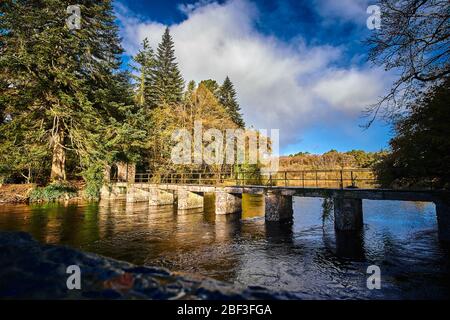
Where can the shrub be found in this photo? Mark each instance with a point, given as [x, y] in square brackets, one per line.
[93, 176]
[53, 192]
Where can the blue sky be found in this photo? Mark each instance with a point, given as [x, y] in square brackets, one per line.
[298, 66]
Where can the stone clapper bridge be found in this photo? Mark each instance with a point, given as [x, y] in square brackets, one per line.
[348, 209]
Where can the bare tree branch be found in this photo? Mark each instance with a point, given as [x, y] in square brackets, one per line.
[414, 42]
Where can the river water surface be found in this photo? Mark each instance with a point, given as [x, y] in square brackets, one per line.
[307, 258]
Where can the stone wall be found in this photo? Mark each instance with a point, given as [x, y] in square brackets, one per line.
[126, 172]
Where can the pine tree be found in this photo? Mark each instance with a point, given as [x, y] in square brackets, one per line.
[168, 82]
[145, 60]
[65, 83]
[191, 86]
[189, 91]
[212, 86]
[227, 97]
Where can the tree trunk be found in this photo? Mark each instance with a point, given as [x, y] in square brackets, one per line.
[59, 158]
[29, 174]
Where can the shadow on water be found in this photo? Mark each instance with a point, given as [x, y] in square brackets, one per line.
[346, 244]
[350, 245]
[279, 232]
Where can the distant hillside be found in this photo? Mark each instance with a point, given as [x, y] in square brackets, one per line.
[330, 160]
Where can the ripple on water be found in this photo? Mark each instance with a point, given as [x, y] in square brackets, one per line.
[306, 257]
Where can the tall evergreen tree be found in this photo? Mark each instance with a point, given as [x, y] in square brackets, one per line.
[227, 97]
[168, 82]
[145, 68]
[65, 83]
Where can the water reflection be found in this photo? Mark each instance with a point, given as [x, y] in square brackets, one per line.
[350, 245]
[306, 256]
[279, 232]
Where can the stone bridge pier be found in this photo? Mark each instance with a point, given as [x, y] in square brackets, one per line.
[159, 197]
[226, 203]
[137, 194]
[114, 191]
[443, 218]
[348, 214]
[278, 206]
[189, 199]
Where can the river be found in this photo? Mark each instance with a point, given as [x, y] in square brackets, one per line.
[307, 258]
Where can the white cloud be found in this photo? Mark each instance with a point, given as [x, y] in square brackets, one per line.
[280, 85]
[350, 90]
[350, 10]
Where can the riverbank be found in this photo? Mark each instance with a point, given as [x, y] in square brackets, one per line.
[26, 193]
[16, 193]
[30, 270]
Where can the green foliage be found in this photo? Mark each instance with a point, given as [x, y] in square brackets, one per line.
[365, 159]
[331, 159]
[202, 106]
[145, 67]
[212, 86]
[327, 209]
[249, 174]
[227, 97]
[420, 151]
[66, 106]
[94, 177]
[300, 153]
[22, 151]
[62, 89]
[53, 192]
[168, 83]
[191, 87]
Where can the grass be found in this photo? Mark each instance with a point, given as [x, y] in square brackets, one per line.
[53, 192]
